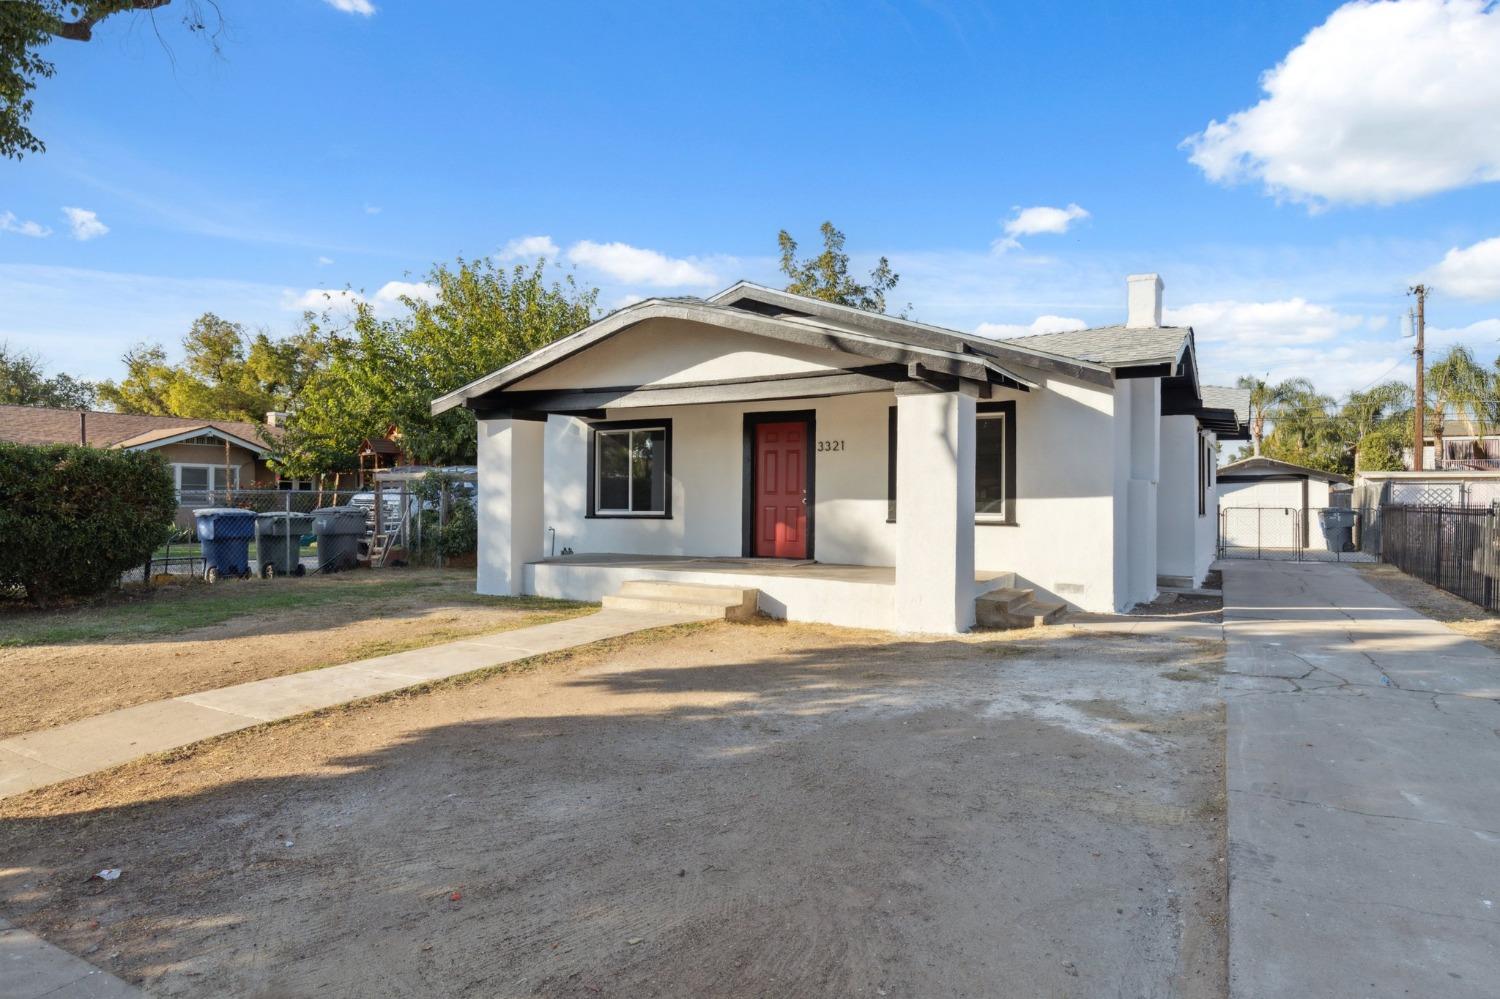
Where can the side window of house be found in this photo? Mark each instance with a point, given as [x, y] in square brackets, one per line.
[994, 468]
[994, 464]
[630, 469]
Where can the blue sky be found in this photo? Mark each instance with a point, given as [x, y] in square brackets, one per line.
[1013, 161]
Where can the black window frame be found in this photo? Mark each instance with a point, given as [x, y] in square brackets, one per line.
[1007, 409]
[604, 426]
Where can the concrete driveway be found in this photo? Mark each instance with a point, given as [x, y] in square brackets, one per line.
[1364, 792]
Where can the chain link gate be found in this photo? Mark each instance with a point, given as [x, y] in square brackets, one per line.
[1292, 534]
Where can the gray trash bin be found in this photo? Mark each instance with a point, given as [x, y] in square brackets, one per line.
[339, 530]
[1338, 528]
[278, 542]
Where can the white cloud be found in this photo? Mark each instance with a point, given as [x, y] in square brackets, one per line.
[1289, 321]
[318, 299]
[528, 248]
[361, 7]
[1038, 220]
[1471, 272]
[392, 292]
[85, 224]
[9, 223]
[372, 209]
[1381, 103]
[1041, 324]
[635, 265]
[324, 261]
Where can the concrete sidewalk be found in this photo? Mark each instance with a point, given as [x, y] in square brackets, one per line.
[93, 744]
[1364, 792]
[31, 968]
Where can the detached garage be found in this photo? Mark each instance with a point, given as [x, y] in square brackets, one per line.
[1269, 504]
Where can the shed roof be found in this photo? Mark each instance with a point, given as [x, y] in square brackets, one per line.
[1251, 467]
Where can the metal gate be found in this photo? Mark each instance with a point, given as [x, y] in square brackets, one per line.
[1292, 534]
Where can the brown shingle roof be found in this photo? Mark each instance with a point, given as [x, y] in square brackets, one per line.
[35, 425]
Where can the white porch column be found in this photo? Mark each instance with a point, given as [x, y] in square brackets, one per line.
[934, 510]
[510, 501]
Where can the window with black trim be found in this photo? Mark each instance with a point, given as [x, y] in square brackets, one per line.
[994, 463]
[630, 469]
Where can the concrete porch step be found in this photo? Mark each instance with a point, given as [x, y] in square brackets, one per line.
[727, 603]
[1015, 607]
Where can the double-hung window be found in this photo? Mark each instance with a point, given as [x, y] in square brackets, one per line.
[630, 469]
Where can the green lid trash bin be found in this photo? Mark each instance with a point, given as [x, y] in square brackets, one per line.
[339, 530]
[278, 542]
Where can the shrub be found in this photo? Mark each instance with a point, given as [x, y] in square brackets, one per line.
[460, 535]
[72, 519]
[1380, 450]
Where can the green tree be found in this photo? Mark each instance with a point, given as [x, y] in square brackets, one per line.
[1263, 398]
[28, 26]
[1305, 430]
[226, 374]
[1458, 388]
[826, 276]
[476, 318]
[24, 382]
[1381, 449]
[1381, 407]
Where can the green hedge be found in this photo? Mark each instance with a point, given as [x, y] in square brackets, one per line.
[72, 519]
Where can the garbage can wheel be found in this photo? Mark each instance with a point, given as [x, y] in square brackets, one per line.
[268, 571]
[301, 570]
[211, 574]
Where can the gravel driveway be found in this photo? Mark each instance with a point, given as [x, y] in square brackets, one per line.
[740, 810]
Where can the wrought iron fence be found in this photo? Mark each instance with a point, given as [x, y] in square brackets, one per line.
[1453, 548]
[1292, 534]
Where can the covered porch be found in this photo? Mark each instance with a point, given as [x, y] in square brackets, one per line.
[854, 596]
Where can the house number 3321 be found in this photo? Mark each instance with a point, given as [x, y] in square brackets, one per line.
[830, 445]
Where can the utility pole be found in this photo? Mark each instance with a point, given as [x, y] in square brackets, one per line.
[1421, 394]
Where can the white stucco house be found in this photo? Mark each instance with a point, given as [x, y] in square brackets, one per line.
[853, 468]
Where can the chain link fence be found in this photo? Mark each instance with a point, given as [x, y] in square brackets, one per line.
[415, 519]
[1292, 534]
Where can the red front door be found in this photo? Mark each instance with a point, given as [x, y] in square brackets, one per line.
[781, 490]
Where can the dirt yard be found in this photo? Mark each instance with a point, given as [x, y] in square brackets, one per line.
[1469, 620]
[729, 810]
[156, 647]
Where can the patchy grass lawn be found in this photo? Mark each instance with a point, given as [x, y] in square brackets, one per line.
[714, 810]
[59, 666]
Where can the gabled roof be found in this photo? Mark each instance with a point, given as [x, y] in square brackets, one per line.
[1247, 468]
[1113, 346]
[892, 341]
[173, 435]
[37, 425]
[1235, 400]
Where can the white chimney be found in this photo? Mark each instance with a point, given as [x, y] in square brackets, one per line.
[1143, 303]
[275, 419]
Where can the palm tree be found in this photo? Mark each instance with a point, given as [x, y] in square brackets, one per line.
[1457, 387]
[1263, 397]
[1369, 410]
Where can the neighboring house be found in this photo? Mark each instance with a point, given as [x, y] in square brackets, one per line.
[1466, 446]
[855, 468]
[206, 456]
[1274, 504]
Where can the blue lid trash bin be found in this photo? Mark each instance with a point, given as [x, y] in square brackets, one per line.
[339, 530]
[224, 535]
[278, 542]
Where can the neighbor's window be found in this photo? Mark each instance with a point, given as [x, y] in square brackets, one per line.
[631, 474]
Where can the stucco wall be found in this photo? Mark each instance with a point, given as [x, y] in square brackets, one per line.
[672, 351]
[250, 470]
[1186, 540]
[849, 513]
